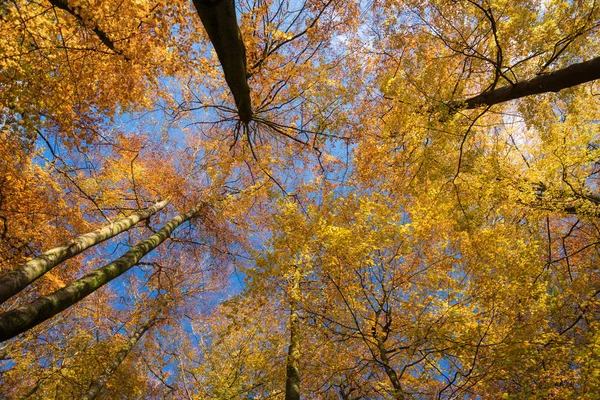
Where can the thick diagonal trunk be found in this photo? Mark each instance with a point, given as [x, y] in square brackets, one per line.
[14, 281]
[219, 20]
[26, 317]
[100, 382]
[556, 81]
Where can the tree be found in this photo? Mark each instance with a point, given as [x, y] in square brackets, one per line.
[99, 382]
[17, 279]
[220, 21]
[554, 81]
[400, 198]
[20, 319]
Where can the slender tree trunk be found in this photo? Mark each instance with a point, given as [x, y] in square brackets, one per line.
[99, 382]
[14, 281]
[292, 380]
[555, 81]
[26, 317]
[220, 21]
[389, 370]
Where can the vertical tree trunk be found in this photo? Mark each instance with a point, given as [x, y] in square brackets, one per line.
[389, 370]
[14, 281]
[26, 317]
[98, 383]
[292, 380]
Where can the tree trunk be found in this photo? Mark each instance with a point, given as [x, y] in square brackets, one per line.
[98, 384]
[389, 370]
[13, 282]
[26, 317]
[292, 380]
[570, 76]
[219, 20]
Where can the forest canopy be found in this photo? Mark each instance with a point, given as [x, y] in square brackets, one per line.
[285, 199]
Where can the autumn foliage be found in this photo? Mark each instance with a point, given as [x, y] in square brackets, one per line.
[393, 199]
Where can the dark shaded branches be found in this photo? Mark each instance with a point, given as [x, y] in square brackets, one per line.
[76, 12]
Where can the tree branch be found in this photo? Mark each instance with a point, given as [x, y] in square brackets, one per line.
[76, 12]
[556, 81]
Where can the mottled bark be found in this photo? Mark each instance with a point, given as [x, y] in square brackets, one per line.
[556, 81]
[98, 383]
[219, 20]
[26, 317]
[292, 380]
[14, 281]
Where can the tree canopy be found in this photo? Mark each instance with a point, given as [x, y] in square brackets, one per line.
[285, 199]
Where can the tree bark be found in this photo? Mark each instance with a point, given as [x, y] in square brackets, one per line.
[389, 370]
[556, 81]
[219, 20]
[14, 281]
[292, 380]
[26, 317]
[100, 382]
